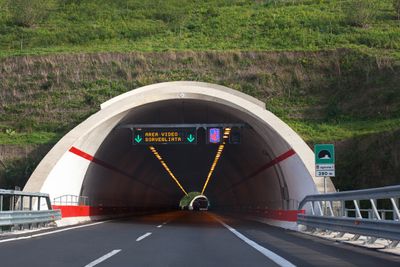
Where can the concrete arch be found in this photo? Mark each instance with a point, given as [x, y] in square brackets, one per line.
[81, 155]
[195, 198]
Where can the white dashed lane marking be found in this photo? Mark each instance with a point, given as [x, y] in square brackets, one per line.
[103, 258]
[143, 237]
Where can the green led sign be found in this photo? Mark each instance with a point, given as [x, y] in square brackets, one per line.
[164, 136]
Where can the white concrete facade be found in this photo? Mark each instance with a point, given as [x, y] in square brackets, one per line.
[61, 172]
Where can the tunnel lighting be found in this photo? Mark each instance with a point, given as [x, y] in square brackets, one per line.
[155, 152]
[217, 157]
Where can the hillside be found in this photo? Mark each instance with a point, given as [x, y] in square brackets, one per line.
[329, 79]
[159, 25]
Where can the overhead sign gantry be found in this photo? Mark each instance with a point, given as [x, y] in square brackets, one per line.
[155, 136]
[186, 134]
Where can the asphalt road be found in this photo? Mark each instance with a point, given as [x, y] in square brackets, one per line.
[185, 239]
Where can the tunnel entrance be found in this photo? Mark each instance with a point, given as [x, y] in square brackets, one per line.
[194, 201]
[199, 203]
[234, 181]
[269, 167]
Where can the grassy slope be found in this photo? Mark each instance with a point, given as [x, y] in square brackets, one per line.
[159, 25]
[325, 96]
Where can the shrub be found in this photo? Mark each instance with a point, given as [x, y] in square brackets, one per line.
[359, 12]
[396, 6]
[27, 13]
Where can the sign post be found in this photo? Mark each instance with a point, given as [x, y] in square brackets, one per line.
[324, 163]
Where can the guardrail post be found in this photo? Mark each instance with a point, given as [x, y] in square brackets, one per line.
[1, 202]
[393, 244]
[355, 237]
[48, 203]
[12, 203]
[371, 240]
[330, 208]
[358, 212]
[21, 203]
[312, 208]
[320, 208]
[373, 204]
[38, 203]
[342, 208]
[395, 209]
[30, 202]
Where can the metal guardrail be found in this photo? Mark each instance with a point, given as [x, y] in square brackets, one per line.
[19, 209]
[71, 200]
[329, 212]
[8, 218]
[372, 193]
[14, 200]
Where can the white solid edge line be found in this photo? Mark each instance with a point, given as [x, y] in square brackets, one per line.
[269, 254]
[103, 258]
[52, 232]
[143, 236]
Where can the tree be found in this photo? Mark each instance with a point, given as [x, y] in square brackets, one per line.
[27, 13]
[396, 6]
[359, 12]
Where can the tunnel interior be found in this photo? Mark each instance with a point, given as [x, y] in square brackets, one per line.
[134, 177]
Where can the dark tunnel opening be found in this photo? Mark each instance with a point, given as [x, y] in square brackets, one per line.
[134, 177]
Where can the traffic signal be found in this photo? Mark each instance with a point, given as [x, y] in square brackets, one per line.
[235, 136]
[214, 135]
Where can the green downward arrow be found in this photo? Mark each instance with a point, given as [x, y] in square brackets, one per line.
[138, 139]
[190, 138]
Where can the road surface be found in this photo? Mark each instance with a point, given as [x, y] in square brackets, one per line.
[184, 238]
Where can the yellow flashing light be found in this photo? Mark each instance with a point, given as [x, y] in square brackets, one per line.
[217, 157]
[155, 152]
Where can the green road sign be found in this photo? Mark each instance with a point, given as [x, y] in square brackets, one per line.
[164, 136]
[324, 160]
[324, 154]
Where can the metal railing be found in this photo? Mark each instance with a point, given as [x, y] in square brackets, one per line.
[370, 212]
[71, 200]
[19, 210]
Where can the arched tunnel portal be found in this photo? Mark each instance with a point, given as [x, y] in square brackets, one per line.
[272, 167]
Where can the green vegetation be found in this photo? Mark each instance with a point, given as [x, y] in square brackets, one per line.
[28, 13]
[321, 132]
[185, 201]
[29, 138]
[17, 171]
[360, 12]
[62, 26]
[396, 6]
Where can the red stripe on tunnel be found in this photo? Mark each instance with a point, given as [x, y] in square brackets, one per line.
[104, 164]
[80, 153]
[273, 162]
[89, 157]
